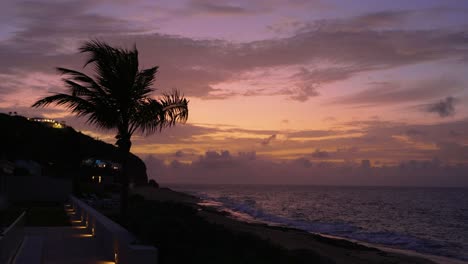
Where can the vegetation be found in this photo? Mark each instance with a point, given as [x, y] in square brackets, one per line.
[58, 151]
[37, 214]
[118, 98]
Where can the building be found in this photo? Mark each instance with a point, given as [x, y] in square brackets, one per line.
[100, 171]
[48, 122]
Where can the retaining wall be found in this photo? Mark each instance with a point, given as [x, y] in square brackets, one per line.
[115, 242]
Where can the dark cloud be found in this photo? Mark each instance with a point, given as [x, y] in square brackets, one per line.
[217, 8]
[10, 84]
[394, 92]
[248, 155]
[443, 108]
[67, 19]
[186, 153]
[51, 28]
[311, 133]
[383, 19]
[50, 32]
[319, 154]
[454, 133]
[415, 132]
[268, 140]
[452, 151]
[302, 92]
[374, 21]
[206, 63]
[377, 21]
[245, 7]
[177, 134]
[224, 168]
[302, 162]
[214, 159]
[250, 131]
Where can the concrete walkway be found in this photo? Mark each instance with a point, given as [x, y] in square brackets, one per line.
[68, 244]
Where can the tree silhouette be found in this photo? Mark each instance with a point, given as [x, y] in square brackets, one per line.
[118, 98]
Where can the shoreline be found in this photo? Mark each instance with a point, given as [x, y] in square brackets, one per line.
[340, 250]
[435, 258]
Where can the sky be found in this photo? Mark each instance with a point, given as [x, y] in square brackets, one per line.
[274, 85]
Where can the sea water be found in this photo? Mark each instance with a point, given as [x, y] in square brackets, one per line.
[426, 220]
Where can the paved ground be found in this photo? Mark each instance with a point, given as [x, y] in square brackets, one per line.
[68, 244]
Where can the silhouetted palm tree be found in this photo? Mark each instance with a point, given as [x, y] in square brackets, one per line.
[118, 97]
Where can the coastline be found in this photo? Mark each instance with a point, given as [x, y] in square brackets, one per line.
[339, 250]
[434, 258]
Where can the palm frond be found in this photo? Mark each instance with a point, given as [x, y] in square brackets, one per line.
[175, 107]
[143, 81]
[118, 95]
[82, 78]
[96, 114]
[153, 115]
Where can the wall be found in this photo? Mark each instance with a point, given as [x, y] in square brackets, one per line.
[113, 239]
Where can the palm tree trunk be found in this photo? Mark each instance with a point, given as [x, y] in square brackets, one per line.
[124, 149]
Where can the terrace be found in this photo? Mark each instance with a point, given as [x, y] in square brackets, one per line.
[85, 236]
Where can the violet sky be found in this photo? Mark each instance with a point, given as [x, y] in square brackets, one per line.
[315, 81]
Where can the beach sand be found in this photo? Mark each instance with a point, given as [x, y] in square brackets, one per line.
[336, 249]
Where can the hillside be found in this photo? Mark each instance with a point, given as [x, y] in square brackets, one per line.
[59, 150]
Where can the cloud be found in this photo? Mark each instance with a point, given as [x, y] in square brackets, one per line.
[312, 133]
[217, 8]
[443, 108]
[318, 154]
[186, 154]
[396, 93]
[268, 140]
[248, 155]
[17, 87]
[52, 28]
[50, 32]
[388, 142]
[372, 21]
[452, 151]
[214, 159]
[406, 151]
[302, 93]
[415, 132]
[224, 168]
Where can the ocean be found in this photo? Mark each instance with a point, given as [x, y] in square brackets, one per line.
[426, 220]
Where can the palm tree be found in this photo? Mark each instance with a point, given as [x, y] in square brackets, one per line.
[118, 98]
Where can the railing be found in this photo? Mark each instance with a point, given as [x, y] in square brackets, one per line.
[11, 239]
[114, 241]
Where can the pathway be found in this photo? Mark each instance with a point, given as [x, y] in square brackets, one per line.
[68, 244]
